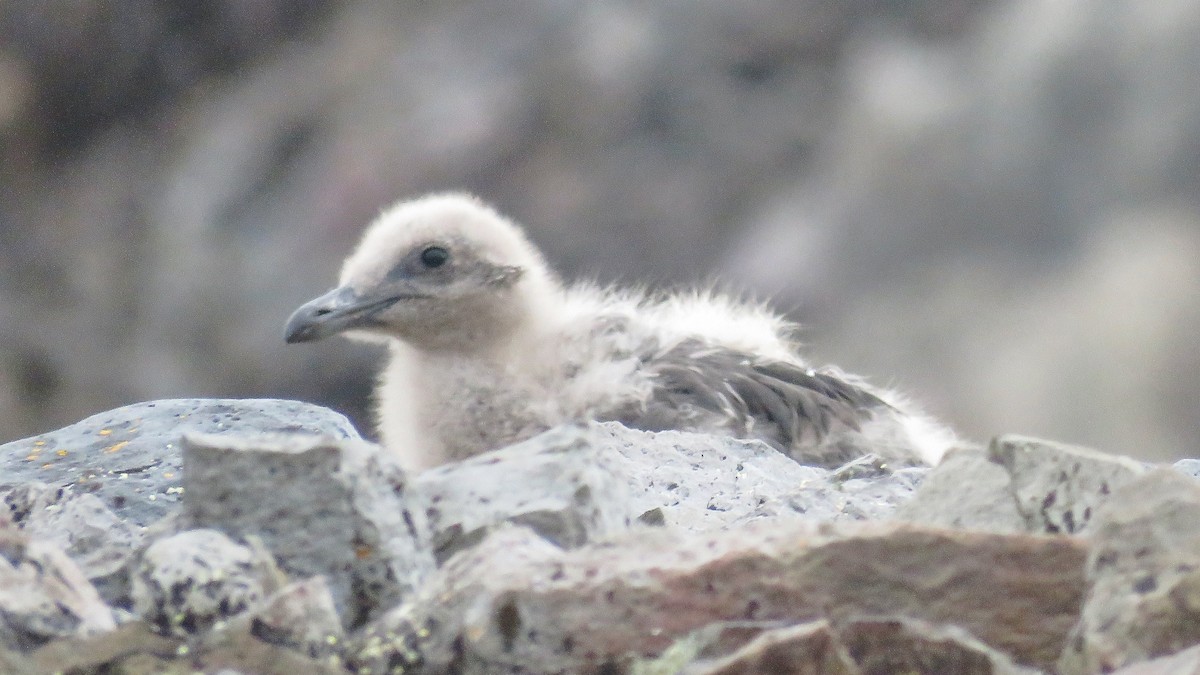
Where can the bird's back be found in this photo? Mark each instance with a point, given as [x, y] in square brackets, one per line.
[706, 362]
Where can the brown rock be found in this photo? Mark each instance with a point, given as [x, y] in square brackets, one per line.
[300, 616]
[863, 647]
[516, 602]
[805, 649]
[91, 654]
[886, 646]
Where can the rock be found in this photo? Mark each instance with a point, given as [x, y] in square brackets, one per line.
[804, 648]
[516, 601]
[581, 484]
[135, 650]
[558, 484]
[885, 646]
[1186, 662]
[1059, 487]
[269, 639]
[863, 647]
[187, 583]
[43, 595]
[95, 653]
[322, 506]
[130, 457]
[1143, 575]
[701, 482]
[82, 527]
[965, 490]
[300, 616]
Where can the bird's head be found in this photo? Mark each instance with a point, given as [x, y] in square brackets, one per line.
[444, 272]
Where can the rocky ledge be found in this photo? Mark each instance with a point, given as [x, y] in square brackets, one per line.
[264, 536]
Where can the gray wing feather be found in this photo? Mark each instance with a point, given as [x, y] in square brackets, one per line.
[699, 386]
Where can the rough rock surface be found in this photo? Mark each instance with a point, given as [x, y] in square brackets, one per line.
[98, 541]
[1186, 662]
[581, 484]
[861, 647]
[1059, 487]
[131, 457]
[556, 483]
[965, 490]
[703, 482]
[322, 506]
[1020, 484]
[517, 603]
[297, 547]
[185, 584]
[43, 595]
[1143, 575]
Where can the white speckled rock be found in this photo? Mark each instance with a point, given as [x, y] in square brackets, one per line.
[186, 583]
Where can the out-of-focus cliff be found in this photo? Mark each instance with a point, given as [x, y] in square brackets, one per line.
[994, 204]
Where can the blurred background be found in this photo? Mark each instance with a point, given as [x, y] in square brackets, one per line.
[992, 204]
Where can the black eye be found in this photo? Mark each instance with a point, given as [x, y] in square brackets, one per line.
[434, 256]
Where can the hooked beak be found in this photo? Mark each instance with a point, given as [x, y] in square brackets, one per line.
[336, 311]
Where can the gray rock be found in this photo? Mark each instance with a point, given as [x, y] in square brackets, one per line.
[322, 506]
[704, 482]
[583, 484]
[1058, 487]
[43, 595]
[130, 457]
[82, 527]
[187, 583]
[701, 482]
[965, 490]
[1144, 576]
[559, 484]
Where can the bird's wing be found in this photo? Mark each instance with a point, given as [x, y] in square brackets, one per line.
[699, 385]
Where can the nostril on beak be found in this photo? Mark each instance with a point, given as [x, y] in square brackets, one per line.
[322, 312]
